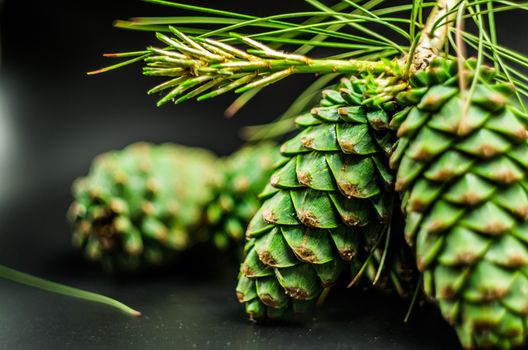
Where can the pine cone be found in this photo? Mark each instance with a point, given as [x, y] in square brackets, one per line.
[140, 205]
[327, 206]
[462, 168]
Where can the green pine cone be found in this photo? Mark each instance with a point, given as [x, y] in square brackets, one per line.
[140, 205]
[245, 173]
[462, 167]
[328, 204]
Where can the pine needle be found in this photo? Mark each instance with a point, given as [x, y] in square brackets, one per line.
[285, 122]
[462, 72]
[322, 298]
[32, 281]
[413, 300]
[118, 65]
[383, 256]
[359, 274]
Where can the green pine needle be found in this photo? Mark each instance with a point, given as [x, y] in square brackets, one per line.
[414, 299]
[32, 281]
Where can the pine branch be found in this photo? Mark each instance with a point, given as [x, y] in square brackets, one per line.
[308, 46]
[206, 68]
[200, 67]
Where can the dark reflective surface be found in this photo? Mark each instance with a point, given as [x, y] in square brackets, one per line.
[54, 119]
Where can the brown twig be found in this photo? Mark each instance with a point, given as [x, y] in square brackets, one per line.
[434, 36]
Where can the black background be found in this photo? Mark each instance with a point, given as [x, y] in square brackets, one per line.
[54, 120]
